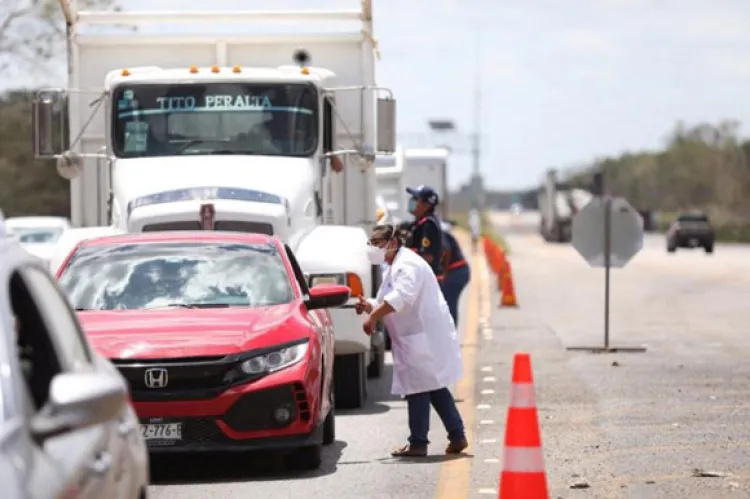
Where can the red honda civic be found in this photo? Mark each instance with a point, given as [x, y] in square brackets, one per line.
[224, 346]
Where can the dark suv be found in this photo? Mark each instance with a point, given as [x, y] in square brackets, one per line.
[691, 230]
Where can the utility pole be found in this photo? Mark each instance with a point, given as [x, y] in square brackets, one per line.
[477, 184]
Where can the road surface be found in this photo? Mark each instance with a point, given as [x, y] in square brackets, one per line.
[622, 425]
[627, 425]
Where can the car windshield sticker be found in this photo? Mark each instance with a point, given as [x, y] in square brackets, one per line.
[128, 108]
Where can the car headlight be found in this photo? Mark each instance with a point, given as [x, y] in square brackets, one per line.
[274, 361]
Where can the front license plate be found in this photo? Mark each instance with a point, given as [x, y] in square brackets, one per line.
[171, 431]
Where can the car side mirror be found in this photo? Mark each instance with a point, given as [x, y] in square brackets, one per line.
[327, 296]
[79, 400]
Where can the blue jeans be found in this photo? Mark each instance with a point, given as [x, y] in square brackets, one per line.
[418, 405]
[452, 286]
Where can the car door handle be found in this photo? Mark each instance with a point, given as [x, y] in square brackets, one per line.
[102, 463]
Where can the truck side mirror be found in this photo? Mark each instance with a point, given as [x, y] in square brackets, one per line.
[386, 116]
[49, 123]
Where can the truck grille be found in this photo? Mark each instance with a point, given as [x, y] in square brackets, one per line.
[227, 225]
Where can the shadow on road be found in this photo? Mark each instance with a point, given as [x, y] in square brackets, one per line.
[378, 391]
[432, 458]
[236, 467]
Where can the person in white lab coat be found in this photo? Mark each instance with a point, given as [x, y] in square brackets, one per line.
[426, 350]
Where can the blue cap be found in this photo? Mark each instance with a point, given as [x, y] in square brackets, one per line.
[425, 193]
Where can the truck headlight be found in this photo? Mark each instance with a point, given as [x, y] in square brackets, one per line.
[274, 361]
[349, 279]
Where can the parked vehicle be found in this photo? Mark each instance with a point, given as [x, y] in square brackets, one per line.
[66, 427]
[223, 344]
[38, 235]
[691, 230]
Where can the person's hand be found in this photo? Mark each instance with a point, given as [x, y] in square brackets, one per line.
[362, 306]
[369, 326]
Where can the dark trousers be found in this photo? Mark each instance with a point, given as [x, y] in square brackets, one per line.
[452, 286]
[418, 405]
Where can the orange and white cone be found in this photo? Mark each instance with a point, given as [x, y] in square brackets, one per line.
[523, 475]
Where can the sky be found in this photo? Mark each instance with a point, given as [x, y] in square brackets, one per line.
[562, 82]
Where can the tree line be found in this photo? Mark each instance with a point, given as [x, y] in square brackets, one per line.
[702, 167]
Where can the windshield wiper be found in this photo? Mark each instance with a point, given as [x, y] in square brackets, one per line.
[193, 142]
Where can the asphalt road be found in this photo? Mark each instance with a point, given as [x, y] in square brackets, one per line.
[624, 425]
[631, 425]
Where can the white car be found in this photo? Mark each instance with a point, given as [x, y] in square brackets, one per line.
[66, 427]
[37, 235]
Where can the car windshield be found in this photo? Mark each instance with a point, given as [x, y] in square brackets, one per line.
[271, 119]
[693, 217]
[36, 234]
[191, 275]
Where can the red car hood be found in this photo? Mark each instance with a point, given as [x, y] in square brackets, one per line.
[175, 333]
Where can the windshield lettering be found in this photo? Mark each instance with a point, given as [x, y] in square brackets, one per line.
[270, 119]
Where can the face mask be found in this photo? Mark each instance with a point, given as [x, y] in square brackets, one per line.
[412, 205]
[376, 255]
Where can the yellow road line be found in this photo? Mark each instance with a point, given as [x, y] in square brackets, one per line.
[455, 474]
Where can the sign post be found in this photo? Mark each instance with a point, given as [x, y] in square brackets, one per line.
[607, 233]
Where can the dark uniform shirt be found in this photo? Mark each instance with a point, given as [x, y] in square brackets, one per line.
[456, 257]
[426, 238]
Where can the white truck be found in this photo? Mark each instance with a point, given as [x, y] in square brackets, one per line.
[175, 129]
[427, 167]
[557, 207]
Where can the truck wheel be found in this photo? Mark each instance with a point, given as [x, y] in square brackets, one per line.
[709, 248]
[671, 248]
[350, 380]
[376, 367]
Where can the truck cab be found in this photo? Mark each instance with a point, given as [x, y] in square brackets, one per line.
[231, 132]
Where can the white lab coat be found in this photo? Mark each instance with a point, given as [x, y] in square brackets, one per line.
[425, 346]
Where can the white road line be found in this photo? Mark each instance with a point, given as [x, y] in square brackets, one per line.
[487, 422]
[492, 460]
[488, 441]
[487, 491]
[487, 369]
[489, 379]
[488, 392]
[483, 407]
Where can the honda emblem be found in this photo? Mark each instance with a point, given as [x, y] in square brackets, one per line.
[156, 378]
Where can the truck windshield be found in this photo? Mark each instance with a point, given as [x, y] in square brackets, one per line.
[270, 119]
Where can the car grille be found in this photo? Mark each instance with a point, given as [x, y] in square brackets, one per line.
[187, 379]
[226, 225]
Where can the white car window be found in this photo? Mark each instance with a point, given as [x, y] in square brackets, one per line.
[59, 319]
[37, 235]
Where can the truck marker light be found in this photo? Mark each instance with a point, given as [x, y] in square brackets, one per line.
[125, 72]
[193, 69]
[214, 69]
[208, 212]
[305, 71]
[236, 69]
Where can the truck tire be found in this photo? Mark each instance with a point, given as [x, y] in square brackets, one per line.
[671, 248]
[709, 248]
[350, 380]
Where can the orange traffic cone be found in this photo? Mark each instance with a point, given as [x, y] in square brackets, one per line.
[523, 475]
[508, 291]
